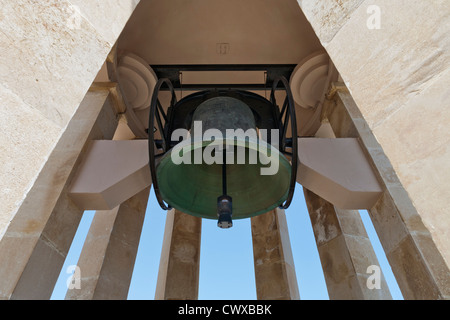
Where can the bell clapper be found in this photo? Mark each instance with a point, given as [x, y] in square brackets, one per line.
[224, 202]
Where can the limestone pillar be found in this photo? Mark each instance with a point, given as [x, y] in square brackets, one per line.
[416, 262]
[398, 72]
[274, 264]
[44, 265]
[107, 259]
[52, 52]
[178, 276]
[345, 251]
[38, 238]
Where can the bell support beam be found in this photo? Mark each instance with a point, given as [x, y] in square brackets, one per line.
[178, 277]
[176, 73]
[107, 259]
[273, 261]
[416, 262]
[335, 169]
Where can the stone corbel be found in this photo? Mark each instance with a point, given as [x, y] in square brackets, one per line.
[338, 171]
[111, 173]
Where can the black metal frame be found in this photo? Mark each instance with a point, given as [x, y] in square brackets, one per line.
[288, 112]
[157, 111]
[179, 115]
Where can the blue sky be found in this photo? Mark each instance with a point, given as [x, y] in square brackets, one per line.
[227, 254]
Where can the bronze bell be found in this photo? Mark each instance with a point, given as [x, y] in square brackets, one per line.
[217, 175]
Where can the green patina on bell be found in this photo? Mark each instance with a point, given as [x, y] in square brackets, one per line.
[194, 186]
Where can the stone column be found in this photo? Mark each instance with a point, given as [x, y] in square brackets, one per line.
[345, 251]
[274, 265]
[403, 97]
[52, 52]
[178, 276]
[417, 264]
[107, 259]
[44, 265]
[31, 251]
